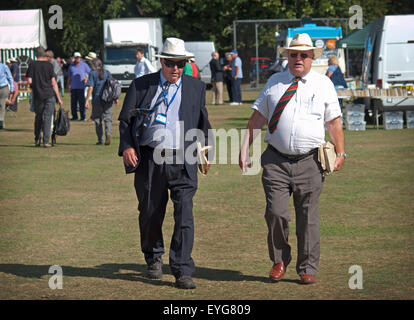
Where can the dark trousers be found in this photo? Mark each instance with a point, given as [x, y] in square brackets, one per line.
[236, 90]
[77, 96]
[229, 92]
[44, 110]
[152, 182]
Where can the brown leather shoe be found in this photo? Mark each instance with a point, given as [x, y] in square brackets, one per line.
[107, 140]
[307, 279]
[278, 271]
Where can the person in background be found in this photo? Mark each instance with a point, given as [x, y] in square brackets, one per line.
[237, 76]
[56, 66]
[143, 65]
[6, 85]
[296, 110]
[14, 68]
[100, 112]
[334, 73]
[42, 79]
[60, 78]
[77, 77]
[216, 79]
[228, 75]
[11, 102]
[191, 69]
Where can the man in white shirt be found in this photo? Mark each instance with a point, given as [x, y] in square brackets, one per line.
[143, 65]
[296, 104]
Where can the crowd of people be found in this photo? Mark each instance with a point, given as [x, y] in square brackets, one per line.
[231, 74]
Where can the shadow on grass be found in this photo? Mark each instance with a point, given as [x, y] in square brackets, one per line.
[117, 271]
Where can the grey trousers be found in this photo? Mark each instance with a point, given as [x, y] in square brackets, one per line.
[4, 94]
[102, 114]
[281, 178]
[44, 110]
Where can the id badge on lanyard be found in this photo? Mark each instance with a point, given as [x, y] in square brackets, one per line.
[162, 117]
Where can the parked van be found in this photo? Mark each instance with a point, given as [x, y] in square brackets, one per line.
[202, 51]
[389, 60]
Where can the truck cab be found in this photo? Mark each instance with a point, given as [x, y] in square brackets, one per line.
[122, 37]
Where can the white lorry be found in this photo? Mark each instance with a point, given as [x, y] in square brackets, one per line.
[389, 61]
[121, 39]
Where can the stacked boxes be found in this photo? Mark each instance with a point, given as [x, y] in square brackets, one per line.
[410, 119]
[354, 117]
[393, 120]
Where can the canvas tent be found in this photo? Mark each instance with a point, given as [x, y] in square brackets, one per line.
[355, 40]
[21, 31]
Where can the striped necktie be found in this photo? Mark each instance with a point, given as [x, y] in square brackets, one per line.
[290, 92]
[163, 94]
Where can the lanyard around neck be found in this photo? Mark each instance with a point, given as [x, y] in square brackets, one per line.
[165, 94]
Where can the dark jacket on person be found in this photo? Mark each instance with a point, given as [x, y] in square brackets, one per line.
[192, 112]
[217, 73]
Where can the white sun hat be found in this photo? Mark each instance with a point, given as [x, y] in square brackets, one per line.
[301, 42]
[174, 49]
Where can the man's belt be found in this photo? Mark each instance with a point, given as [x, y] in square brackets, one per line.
[291, 157]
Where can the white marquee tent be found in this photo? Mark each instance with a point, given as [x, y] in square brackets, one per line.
[21, 31]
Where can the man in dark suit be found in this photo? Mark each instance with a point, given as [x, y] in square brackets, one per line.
[158, 111]
[217, 76]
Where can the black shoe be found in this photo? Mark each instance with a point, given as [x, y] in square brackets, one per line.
[74, 119]
[37, 142]
[155, 270]
[185, 282]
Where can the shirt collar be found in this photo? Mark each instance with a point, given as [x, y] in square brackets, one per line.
[303, 79]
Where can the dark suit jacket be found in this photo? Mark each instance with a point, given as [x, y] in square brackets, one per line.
[192, 112]
[217, 73]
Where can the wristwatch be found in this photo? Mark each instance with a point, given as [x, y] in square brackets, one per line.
[340, 154]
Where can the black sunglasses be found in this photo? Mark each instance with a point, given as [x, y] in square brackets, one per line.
[171, 63]
[302, 55]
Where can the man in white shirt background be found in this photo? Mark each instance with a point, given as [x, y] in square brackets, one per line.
[295, 104]
[143, 65]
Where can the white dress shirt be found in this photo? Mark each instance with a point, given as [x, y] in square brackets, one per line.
[143, 67]
[301, 125]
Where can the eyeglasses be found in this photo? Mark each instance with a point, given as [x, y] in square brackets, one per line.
[171, 63]
[302, 55]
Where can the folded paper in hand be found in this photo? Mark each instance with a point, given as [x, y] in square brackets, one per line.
[202, 161]
[327, 157]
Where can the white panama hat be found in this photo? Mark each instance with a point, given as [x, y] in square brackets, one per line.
[174, 49]
[301, 42]
[91, 56]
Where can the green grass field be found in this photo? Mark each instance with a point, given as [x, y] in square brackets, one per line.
[73, 206]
